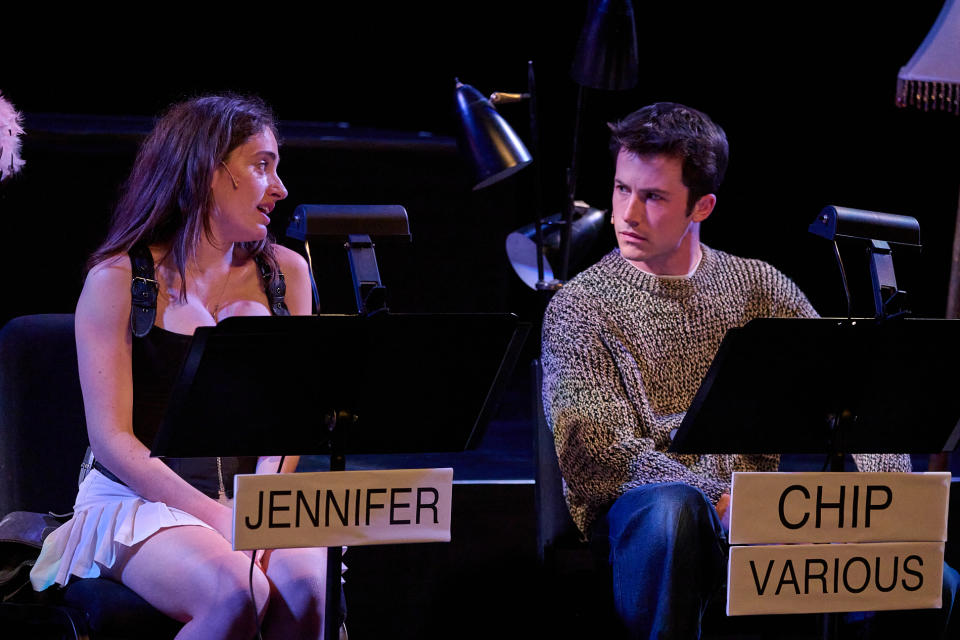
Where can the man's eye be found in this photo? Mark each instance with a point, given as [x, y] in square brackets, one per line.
[262, 165]
[654, 196]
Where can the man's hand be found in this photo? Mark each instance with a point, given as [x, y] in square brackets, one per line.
[723, 510]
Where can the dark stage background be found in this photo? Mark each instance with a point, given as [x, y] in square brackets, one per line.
[364, 95]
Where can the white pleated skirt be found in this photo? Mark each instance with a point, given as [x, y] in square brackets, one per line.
[106, 514]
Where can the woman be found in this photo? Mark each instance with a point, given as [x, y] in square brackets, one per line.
[194, 212]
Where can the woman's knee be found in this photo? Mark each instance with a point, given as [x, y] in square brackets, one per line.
[299, 571]
[191, 576]
[234, 590]
[231, 609]
[299, 594]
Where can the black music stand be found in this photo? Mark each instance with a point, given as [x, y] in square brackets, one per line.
[829, 386]
[386, 383]
[784, 385]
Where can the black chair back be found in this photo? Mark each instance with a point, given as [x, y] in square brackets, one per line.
[554, 524]
[43, 434]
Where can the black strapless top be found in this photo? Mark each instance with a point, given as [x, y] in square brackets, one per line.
[157, 359]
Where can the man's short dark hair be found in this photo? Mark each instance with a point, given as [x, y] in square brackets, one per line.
[673, 129]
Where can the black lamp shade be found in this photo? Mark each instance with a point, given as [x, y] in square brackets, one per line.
[521, 245]
[493, 147]
[844, 222]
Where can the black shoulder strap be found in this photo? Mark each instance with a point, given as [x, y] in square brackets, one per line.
[143, 291]
[274, 286]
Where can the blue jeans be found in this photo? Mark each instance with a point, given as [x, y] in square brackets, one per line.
[919, 623]
[667, 554]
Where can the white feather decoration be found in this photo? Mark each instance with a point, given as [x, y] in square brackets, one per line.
[10, 130]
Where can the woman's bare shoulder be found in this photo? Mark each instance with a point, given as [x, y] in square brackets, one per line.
[117, 267]
[291, 262]
[297, 276]
[106, 290]
[113, 268]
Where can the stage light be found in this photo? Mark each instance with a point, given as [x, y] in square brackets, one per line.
[492, 146]
[521, 244]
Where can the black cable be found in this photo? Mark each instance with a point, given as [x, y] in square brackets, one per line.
[253, 561]
[313, 282]
[253, 600]
[843, 275]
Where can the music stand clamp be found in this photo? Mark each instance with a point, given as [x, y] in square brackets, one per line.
[370, 293]
[888, 299]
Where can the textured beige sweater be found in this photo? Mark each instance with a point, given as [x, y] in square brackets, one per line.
[623, 356]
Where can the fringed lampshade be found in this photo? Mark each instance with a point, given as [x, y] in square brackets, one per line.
[931, 80]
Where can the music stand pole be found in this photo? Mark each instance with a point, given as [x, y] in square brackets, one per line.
[336, 423]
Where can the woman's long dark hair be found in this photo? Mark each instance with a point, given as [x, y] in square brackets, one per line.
[167, 198]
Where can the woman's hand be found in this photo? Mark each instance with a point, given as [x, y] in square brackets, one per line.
[222, 521]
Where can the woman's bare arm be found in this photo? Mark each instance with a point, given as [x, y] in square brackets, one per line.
[104, 347]
[299, 296]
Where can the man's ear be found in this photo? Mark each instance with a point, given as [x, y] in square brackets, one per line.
[703, 207]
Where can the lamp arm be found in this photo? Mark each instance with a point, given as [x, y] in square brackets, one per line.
[537, 168]
[502, 97]
[571, 194]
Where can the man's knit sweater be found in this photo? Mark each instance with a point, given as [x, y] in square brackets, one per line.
[623, 356]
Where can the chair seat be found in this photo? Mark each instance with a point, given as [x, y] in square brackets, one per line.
[112, 611]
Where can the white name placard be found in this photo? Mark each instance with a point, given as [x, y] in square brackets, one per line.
[838, 507]
[810, 578]
[323, 509]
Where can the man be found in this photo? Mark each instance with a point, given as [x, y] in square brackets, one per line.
[625, 346]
